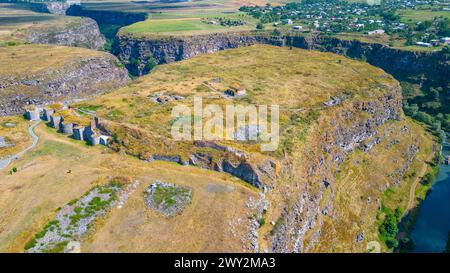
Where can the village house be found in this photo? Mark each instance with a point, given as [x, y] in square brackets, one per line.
[423, 44]
[445, 40]
[288, 22]
[435, 42]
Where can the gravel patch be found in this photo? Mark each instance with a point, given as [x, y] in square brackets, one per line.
[167, 199]
[74, 220]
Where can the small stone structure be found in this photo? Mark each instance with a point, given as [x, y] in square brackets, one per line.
[33, 113]
[104, 140]
[236, 91]
[334, 101]
[164, 98]
[49, 110]
[48, 114]
[78, 132]
[55, 121]
[67, 128]
[95, 139]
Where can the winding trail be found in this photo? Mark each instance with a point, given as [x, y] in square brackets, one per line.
[5, 162]
[412, 191]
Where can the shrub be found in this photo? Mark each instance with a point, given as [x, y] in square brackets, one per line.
[391, 243]
[260, 26]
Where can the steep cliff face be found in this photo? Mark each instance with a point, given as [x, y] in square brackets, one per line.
[400, 63]
[135, 51]
[57, 7]
[107, 16]
[299, 227]
[41, 74]
[80, 32]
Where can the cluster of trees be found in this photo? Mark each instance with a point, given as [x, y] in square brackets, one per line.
[389, 227]
[226, 22]
[427, 31]
[428, 104]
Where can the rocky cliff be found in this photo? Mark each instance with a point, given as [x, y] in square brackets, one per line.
[41, 74]
[107, 16]
[400, 63]
[135, 51]
[80, 32]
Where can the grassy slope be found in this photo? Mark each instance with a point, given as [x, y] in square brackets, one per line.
[32, 59]
[295, 79]
[45, 170]
[171, 26]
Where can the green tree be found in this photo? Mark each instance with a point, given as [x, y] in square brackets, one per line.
[389, 227]
[391, 243]
[276, 32]
[260, 25]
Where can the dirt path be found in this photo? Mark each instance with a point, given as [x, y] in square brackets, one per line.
[412, 191]
[5, 162]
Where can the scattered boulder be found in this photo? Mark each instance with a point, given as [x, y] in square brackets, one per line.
[163, 98]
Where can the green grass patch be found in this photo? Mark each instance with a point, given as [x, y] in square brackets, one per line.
[167, 26]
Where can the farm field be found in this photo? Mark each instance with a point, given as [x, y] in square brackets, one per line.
[414, 16]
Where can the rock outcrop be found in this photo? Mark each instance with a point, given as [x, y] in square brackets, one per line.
[72, 78]
[81, 32]
[339, 139]
[136, 52]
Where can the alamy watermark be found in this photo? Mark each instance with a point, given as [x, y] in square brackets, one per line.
[230, 122]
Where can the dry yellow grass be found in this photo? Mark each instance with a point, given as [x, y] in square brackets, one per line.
[25, 60]
[29, 198]
[14, 129]
[294, 79]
